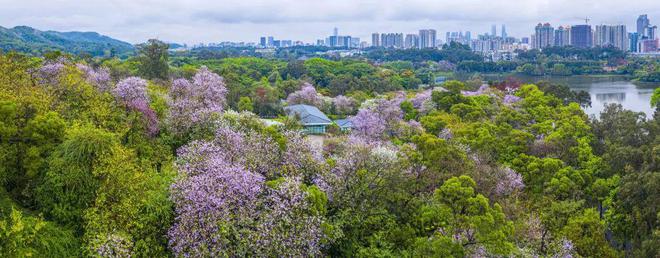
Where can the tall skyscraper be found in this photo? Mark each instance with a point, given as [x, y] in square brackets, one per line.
[375, 40]
[271, 41]
[333, 41]
[391, 40]
[544, 36]
[651, 32]
[581, 36]
[611, 35]
[493, 30]
[412, 41]
[335, 32]
[633, 38]
[504, 35]
[427, 38]
[562, 37]
[468, 36]
[262, 41]
[642, 23]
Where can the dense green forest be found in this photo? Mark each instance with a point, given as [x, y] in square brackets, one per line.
[29, 40]
[155, 156]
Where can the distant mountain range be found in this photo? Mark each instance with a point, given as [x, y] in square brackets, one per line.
[30, 40]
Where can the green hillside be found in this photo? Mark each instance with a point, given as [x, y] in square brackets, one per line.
[33, 41]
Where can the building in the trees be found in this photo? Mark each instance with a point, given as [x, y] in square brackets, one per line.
[344, 124]
[313, 120]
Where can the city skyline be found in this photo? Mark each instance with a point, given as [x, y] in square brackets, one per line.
[199, 21]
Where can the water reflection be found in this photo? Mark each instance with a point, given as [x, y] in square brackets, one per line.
[611, 97]
[604, 90]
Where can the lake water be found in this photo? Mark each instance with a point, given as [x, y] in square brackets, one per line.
[606, 89]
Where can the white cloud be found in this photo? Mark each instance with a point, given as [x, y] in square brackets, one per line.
[194, 21]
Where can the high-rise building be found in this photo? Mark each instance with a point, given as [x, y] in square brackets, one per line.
[651, 32]
[375, 40]
[343, 41]
[427, 38]
[493, 30]
[562, 37]
[642, 23]
[468, 36]
[611, 35]
[391, 40]
[335, 32]
[320, 42]
[544, 36]
[633, 39]
[524, 40]
[504, 35]
[412, 41]
[355, 42]
[271, 41]
[581, 36]
[333, 41]
[262, 41]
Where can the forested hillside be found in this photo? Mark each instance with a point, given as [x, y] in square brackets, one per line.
[29, 40]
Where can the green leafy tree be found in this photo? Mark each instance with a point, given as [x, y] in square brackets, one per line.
[245, 104]
[587, 232]
[70, 184]
[153, 58]
[458, 221]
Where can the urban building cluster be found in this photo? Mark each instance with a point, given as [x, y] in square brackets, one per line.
[426, 38]
[644, 40]
[500, 46]
[271, 42]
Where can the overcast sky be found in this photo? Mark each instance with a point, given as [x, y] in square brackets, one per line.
[195, 21]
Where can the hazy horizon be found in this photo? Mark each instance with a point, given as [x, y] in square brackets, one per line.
[202, 21]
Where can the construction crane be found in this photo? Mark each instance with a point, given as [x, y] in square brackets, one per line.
[585, 19]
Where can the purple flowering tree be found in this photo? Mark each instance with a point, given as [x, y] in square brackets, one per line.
[51, 70]
[343, 105]
[423, 102]
[510, 99]
[288, 226]
[509, 181]
[306, 95]
[193, 103]
[132, 92]
[100, 78]
[368, 124]
[215, 203]
[224, 205]
[478, 92]
[376, 119]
